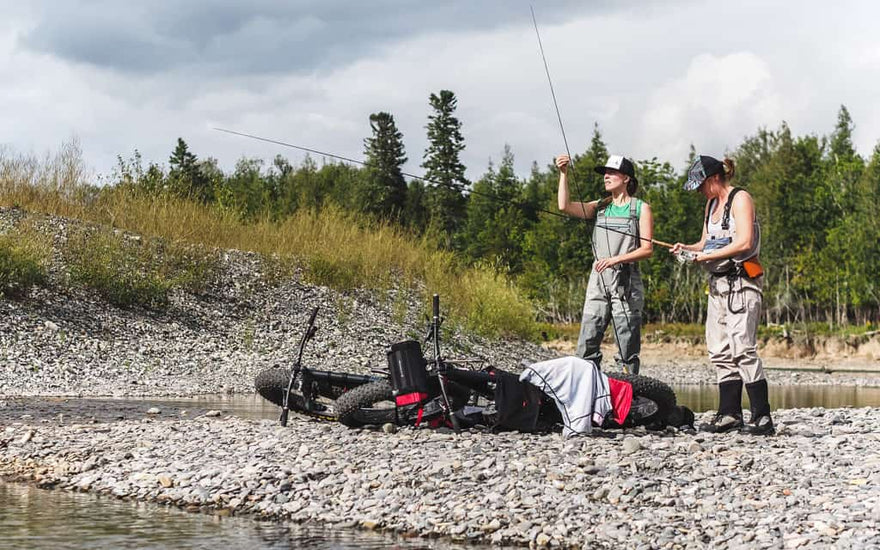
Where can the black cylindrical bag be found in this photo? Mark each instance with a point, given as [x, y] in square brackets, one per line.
[409, 375]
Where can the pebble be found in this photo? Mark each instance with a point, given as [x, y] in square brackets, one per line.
[631, 445]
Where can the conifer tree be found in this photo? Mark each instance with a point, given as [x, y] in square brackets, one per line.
[384, 190]
[184, 177]
[445, 200]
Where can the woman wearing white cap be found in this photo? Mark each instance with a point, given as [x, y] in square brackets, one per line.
[622, 236]
[728, 251]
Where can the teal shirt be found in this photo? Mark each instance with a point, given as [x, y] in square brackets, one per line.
[613, 211]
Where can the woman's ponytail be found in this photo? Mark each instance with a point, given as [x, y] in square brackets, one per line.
[632, 186]
[729, 169]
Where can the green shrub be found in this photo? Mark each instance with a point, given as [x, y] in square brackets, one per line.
[24, 257]
[132, 271]
[485, 302]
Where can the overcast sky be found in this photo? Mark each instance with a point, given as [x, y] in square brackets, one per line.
[656, 76]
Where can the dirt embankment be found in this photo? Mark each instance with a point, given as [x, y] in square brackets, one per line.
[823, 353]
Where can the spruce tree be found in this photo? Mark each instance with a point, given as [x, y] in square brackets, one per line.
[184, 178]
[495, 220]
[445, 200]
[384, 192]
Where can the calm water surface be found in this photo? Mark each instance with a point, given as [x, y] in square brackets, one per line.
[704, 398]
[699, 398]
[32, 518]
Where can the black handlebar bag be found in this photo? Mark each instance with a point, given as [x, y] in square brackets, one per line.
[517, 403]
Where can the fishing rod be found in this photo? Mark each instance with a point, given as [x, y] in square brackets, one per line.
[574, 181]
[565, 141]
[426, 180]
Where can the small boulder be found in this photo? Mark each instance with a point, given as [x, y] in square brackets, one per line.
[389, 428]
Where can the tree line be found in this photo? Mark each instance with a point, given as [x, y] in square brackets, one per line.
[814, 197]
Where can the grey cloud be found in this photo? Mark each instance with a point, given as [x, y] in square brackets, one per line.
[231, 37]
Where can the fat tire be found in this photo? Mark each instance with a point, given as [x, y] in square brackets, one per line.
[272, 382]
[271, 385]
[354, 407]
[657, 391]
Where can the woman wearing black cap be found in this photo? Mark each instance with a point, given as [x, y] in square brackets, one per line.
[621, 237]
[728, 251]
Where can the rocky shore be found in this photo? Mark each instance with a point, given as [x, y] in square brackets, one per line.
[815, 484]
[65, 340]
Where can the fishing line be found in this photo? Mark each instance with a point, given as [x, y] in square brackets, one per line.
[521, 205]
[583, 205]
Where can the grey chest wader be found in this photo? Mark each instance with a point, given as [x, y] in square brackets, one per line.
[616, 295]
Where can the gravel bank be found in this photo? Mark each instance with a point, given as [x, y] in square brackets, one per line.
[63, 340]
[816, 484]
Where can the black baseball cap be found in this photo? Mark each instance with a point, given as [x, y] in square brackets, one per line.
[619, 163]
[704, 167]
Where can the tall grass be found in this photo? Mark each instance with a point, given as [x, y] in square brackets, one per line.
[331, 247]
[131, 271]
[24, 260]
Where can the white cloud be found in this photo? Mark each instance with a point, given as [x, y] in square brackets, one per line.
[653, 80]
[715, 103]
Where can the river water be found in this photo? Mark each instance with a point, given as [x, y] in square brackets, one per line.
[699, 398]
[32, 518]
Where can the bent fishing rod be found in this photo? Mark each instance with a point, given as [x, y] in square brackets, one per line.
[426, 180]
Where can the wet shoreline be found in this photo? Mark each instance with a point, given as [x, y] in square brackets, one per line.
[816, 482]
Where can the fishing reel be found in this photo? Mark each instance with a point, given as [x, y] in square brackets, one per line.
[685, 256]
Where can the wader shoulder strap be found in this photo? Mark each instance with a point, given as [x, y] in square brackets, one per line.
[634, 217]
[725, 217]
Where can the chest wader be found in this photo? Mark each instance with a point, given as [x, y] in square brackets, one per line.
[732, 318]
[617, 294]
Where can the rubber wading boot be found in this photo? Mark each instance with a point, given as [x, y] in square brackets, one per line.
[760, 422]
[729, 417]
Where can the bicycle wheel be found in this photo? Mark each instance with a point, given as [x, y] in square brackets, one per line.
[371, 403]
[272, 383]
[645, 389]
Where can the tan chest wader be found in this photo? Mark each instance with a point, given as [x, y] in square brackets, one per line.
[617, 294]
[732, 318]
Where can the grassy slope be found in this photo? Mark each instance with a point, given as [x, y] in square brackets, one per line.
[331, 248]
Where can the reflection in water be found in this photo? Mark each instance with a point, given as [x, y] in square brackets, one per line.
[38, 518]
[704, 398]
